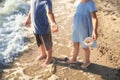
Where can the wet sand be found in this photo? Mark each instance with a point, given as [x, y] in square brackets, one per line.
[105, 58]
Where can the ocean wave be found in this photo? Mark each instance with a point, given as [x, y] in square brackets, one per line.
[12, 17]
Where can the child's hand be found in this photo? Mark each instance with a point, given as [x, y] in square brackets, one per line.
[54, 27]
[94, 36]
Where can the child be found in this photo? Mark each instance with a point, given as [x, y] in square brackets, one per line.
[40, 12]
[84, 25]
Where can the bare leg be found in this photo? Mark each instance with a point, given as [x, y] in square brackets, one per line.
[49, 58]
[43, 53]
[75, 52]
[87, 57]
[87, 54]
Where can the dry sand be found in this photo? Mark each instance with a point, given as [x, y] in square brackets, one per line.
[105, 58]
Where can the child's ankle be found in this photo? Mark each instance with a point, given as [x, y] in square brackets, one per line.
[48, 61]
[87, 61]
[73, 59]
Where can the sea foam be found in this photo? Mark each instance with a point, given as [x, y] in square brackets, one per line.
[12, 34]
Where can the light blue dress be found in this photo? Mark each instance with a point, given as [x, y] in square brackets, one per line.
[82, 25]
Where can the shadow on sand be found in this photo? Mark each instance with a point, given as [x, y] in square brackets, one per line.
[105, 72]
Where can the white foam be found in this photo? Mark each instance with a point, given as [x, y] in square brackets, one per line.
[12, 5]
[12, 17]
[16, 71]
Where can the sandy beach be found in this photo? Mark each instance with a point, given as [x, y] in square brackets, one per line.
[105, 58]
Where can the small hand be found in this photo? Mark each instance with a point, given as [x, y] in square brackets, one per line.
[94, 36]
[54, 27]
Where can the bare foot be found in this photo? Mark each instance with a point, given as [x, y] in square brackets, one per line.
[85, 65]
[71, 60]
[45, 64]
[40, 57]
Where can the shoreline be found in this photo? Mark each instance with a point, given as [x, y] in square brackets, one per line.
[105, 58]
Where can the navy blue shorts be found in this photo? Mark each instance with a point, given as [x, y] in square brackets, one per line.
[45, 39]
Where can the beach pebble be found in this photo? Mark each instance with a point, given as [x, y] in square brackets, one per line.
[85, 73]
[81, 60]
[65, 68]
[64, 56]
[91, 76]
[81, 71]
